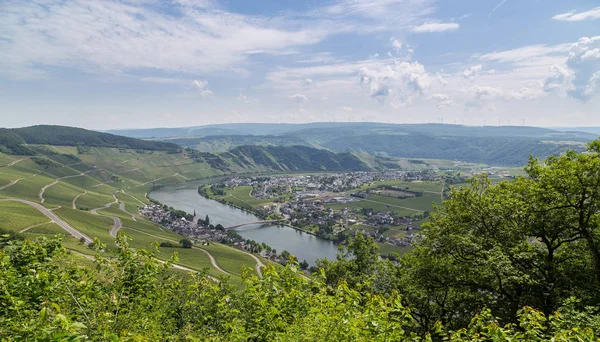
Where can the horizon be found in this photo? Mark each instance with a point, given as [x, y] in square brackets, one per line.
[138, 64]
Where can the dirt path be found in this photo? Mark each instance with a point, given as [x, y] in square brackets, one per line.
[76, 197]
[213, 262]
[41, 194]
[35, 225]
[14, 162]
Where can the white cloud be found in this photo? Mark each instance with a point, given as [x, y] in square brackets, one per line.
[346, 109]
[299, 98]
[435, 27]
[397, 45]
[116, 37]
[402, 80]
[558, 78]
[472, 72]
[203, 88]
[443, 101]
[584, 61]
[594, 13]
[525, 93]
[481, 97]
[500, 4]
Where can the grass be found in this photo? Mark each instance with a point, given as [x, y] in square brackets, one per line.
[27, 188]
[49, 228]
[89, 224]
[412, 186]
[17, 216]
[240, 196]
[93, 200]
[61, 194]
[230, 259]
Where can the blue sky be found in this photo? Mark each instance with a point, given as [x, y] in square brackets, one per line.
[150, 63]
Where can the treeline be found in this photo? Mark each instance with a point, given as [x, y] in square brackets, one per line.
[14, 140]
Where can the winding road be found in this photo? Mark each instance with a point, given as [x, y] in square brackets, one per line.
[116, 221]
[41, 194]
[64, 225]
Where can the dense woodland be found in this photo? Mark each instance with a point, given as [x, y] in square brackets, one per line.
[13, 141]
[518, 260]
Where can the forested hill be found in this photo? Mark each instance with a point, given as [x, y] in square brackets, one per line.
[504, 145]
[280, 158]
[14, 141]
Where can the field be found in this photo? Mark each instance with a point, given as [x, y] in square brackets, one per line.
[17, 216]
[240, 196]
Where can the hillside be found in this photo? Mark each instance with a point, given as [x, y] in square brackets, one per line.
[281, 158]
[504, 146]
[14, 141]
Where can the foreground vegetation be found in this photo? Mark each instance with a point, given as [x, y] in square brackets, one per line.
[509, 261]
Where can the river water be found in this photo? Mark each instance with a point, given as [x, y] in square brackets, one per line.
[304, 246]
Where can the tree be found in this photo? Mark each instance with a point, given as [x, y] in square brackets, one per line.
[207, 220]
[534, 242]
[303, 265]
[185, 243]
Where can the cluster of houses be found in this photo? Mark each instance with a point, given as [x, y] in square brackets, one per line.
[275, 186]
[201, 234]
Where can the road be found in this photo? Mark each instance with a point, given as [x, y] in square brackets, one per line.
[116, 221]
[122, 208]
[10, 184]
[64, 225]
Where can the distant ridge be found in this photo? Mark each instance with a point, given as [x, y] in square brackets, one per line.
[15, 140]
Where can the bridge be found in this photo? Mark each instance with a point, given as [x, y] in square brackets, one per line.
[253, 222]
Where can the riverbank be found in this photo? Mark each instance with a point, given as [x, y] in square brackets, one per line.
[299, 243]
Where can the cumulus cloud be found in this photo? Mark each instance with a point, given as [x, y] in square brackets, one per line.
[435, 27]
[346, 109]
[473, 72]
[203, 88]
[481, 97]
[525, 93]
[594, 13]
[558, 78]
[584, 61]
[401, 80]
[397, 45]
[299, 98]
[442, 100]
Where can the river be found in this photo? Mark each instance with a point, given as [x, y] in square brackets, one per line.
[304, 246]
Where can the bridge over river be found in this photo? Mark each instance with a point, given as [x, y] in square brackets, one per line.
[253, 222]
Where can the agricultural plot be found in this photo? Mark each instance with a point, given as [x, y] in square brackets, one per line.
[230, 259]
[49, 228]
[240, 196]
[61, 194]
[93, 200]
[91, 225]
[17, 216]
[28, 188]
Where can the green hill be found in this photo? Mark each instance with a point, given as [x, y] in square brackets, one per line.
[282, 158]
[503, 145]
[14, 141]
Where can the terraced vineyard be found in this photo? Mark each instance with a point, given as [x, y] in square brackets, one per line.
[72, 189]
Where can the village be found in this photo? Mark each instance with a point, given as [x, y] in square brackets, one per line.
[305, 202]
[201, 231]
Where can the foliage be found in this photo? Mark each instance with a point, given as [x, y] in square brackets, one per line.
[131, 297]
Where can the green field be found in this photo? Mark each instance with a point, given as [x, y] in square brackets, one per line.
[17, 216]
[240, 197]
[91, 225]
[49, 228]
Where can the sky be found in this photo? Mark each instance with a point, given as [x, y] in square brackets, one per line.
[172, 63]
